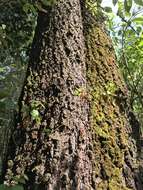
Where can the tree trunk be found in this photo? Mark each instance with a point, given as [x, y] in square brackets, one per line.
[115, 145]
[73, 130]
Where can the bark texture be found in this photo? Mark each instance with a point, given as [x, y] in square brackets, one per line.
[53, 148]
[74, 130]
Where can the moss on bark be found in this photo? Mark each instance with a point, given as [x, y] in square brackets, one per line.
[115, 152]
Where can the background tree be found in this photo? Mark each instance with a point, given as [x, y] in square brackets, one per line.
[16, 31]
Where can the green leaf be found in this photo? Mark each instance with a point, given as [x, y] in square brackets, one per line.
[141, 44]
[28, 7]
[108, 9]
[127, 5]
[139, 2]
[120, 13]
[139, 19]
[114, 2]
[34, 114]
[2, 69]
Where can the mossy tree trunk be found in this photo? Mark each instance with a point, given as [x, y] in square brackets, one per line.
[73, 130]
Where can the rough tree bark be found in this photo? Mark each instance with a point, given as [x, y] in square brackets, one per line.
[73, 129]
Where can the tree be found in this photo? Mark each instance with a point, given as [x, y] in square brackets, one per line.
[74, 128]
[16, 28]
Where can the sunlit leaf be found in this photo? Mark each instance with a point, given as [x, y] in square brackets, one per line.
[34, 114]
[138, 19]
[141, 43]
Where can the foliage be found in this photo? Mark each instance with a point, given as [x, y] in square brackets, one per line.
[16, 33]
[35, 106]
[38, 5]
[125, 27]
